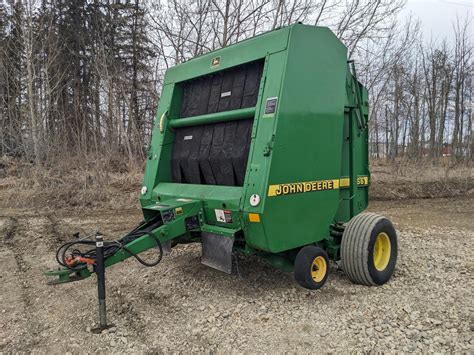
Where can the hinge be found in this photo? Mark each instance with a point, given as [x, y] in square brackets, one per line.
[268, 148]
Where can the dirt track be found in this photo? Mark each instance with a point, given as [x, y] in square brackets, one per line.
[182, 305]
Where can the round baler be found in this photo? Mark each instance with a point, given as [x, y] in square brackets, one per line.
[260, 148]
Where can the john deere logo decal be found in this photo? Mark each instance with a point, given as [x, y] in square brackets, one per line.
[301, 187]
[215, 62]
[310, 186]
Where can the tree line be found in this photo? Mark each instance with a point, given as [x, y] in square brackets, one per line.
[76, 78]
[81, 78]
[422, 103]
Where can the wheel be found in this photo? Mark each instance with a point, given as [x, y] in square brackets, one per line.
[369, 249]
[311, 267]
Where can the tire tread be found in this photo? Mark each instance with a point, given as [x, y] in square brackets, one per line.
[354, 247]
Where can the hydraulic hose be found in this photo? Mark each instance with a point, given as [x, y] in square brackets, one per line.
[79, 260]
[140, 260]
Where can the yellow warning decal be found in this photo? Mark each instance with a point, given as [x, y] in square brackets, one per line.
[254, 217]
[301, 187]
[362, 180]
[344, 182]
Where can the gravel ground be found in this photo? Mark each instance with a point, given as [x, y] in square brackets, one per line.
[182, 305]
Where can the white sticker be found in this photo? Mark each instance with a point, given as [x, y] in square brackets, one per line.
[220, 215]
[227, 93]
[254, 200]
[187, 138]
[99, 244]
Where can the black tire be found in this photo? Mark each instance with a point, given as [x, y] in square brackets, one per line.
[311, 267]
[369, 249]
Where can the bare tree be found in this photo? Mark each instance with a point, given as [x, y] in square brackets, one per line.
[462, 64]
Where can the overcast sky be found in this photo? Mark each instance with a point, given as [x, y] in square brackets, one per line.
[437, 15]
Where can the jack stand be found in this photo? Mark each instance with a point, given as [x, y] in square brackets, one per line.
[100, 272]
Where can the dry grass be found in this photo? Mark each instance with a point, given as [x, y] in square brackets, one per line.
[404, 179]
[70, 184]
[73, 184]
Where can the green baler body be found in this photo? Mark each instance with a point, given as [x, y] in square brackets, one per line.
[308, 154]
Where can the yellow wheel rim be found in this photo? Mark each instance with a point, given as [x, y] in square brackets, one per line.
[382, 251]
[318, 268]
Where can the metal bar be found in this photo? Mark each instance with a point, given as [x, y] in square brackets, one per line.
[352, 167]
[239, 114]
[358, 94]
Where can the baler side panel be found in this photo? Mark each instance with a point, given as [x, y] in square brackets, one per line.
[308, 139]
[160, 152]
